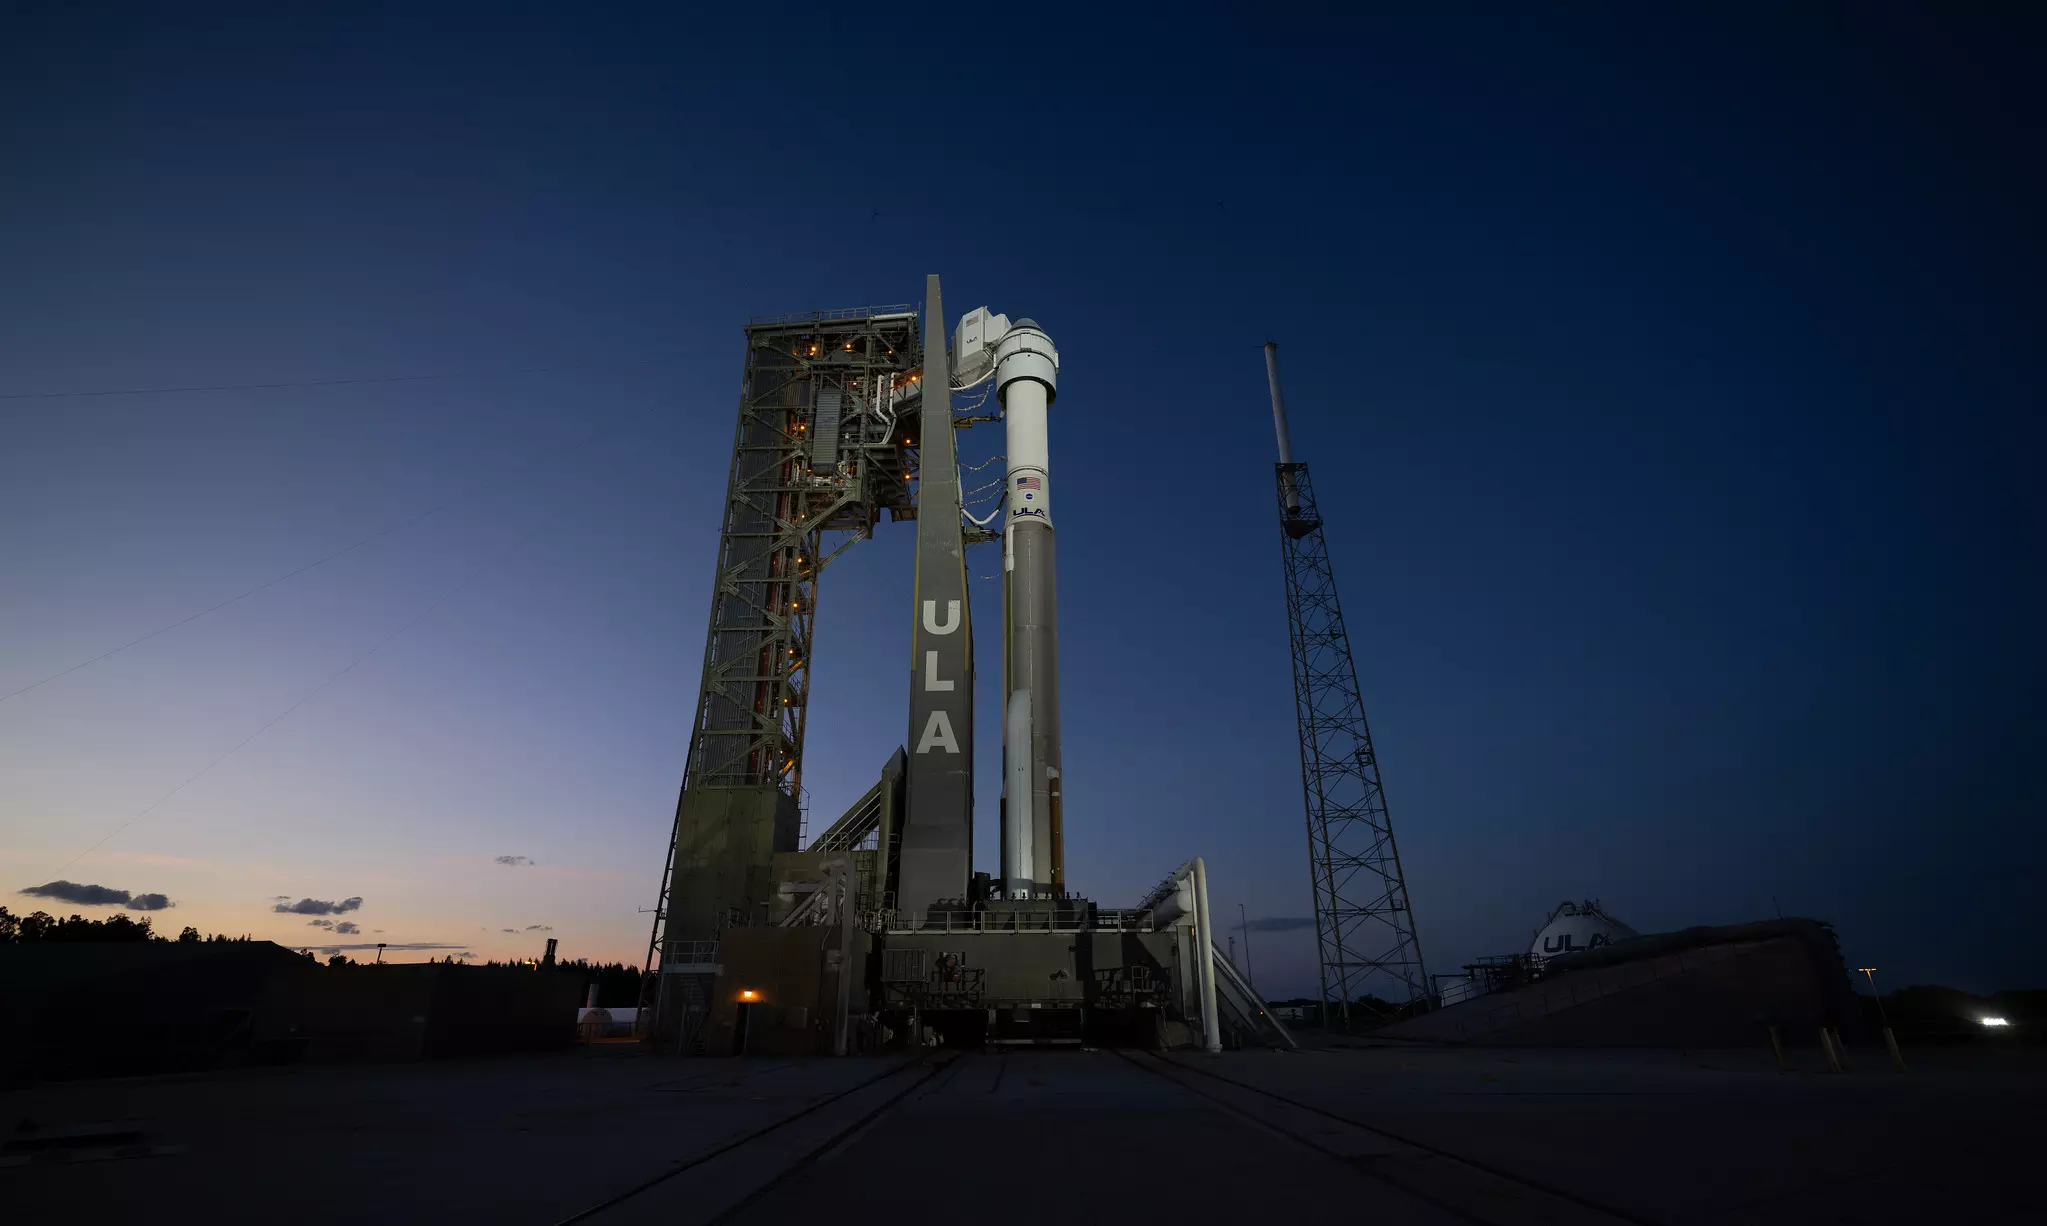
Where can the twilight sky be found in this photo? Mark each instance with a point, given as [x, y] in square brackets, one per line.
[1672, 386]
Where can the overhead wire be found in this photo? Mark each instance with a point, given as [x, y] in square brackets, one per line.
[278, 718]
[288, 383]
[421, 517]
[429, 513]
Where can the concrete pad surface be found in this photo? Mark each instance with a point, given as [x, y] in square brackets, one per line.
[1683, 1139]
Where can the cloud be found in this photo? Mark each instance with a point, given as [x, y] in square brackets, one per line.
[345, 928]
[331, 949]
[516, 861]
[540, 927]
[514, 931]
[319, 923]
[1280, 923]
[465, 954]
[316, 906]
[377, 930]
[144, 857]
[83, 895]
[99, 896]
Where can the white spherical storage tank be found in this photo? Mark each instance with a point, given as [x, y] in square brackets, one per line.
[1575, 927]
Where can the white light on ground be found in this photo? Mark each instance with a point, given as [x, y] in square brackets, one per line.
[1994, 1021]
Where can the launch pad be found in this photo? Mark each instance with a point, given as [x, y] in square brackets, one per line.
[878, 931]
[1427, 1135]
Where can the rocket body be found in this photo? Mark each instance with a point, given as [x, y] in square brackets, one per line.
[1026, 374]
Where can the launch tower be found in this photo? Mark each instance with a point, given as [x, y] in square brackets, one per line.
[879, 925]
[825, 445]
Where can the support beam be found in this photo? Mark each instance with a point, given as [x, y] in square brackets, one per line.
[938, 826]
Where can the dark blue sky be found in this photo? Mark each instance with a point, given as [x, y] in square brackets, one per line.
[1672, 387]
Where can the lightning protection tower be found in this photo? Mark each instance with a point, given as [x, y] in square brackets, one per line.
[1364, 929]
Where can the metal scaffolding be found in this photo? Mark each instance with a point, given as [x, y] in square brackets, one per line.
[1364, 928]
[826, 441]
[821, 447]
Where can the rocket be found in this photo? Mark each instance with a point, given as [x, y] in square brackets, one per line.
[1026, 373]
[1033, 851]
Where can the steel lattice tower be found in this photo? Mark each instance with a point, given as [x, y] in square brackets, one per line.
[824, 443]
[1364, 928]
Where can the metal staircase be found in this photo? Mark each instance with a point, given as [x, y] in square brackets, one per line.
[859, 823]
[682, 989]
[650, 977]
[1244, 1009]
[696, 1013]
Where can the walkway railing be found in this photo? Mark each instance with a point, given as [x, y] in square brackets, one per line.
[1024, 921]
[804, 317]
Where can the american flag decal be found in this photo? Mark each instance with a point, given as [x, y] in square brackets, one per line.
[1028, 483]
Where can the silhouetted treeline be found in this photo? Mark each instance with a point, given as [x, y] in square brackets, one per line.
[618, 985]
[42, 926]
